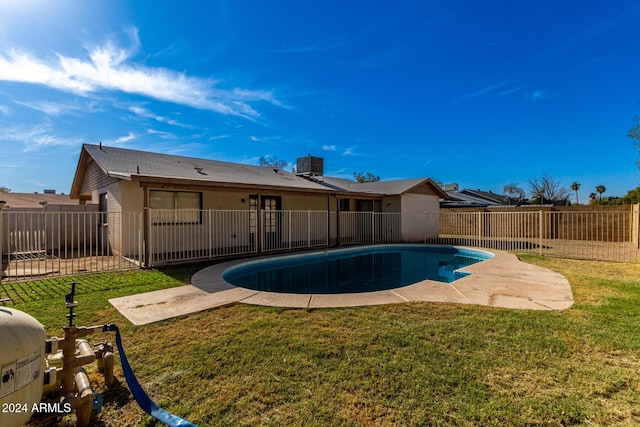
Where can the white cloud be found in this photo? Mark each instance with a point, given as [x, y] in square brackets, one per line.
[143, 112]
[48, 107]
[536, 95]
[509, 91]
[126, 138]
[4, 110]
[108, 68]
[161, 134]
[351, 151]
[264, 138]
[487, 90]
[38, 136]
[120, 141]
[329, 147]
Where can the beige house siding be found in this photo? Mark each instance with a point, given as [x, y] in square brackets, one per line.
[305, 202]
[223, 200]
[391, 204]
[426, 190]
[95, 178]
[230, 228]
[419, 204]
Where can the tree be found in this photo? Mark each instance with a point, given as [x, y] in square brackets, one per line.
[547, 188]
[632, 197]
[593, 197]
[4, 189]
[272, 162]
[634, 133]
[360, 177]
[512, 188]
[601, 189]
[575, 187]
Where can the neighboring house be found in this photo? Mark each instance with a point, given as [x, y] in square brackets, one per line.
[487, 199]
[122, 180]
[35, 200]
[24, 229]
[477, 198]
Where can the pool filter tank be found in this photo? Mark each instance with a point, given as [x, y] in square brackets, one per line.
[22, 351]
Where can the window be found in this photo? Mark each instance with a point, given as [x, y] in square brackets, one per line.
[176, 207]
[103, 206]
[270, 205]
[253, 213]
[344, 205]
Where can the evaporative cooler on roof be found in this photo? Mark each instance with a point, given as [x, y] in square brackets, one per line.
[310, 166]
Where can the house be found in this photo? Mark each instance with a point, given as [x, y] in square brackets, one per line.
[175, 190]
[486, 199]
[34, 200]
[28, 221]
[476, 198]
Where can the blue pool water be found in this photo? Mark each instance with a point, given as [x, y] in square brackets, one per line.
[365, 269]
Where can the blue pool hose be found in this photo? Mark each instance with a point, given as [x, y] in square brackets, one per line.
[145, 402]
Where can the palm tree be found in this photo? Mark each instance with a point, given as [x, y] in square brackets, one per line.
[601, 189]
[575, 187]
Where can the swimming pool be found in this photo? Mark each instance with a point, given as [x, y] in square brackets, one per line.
[353, 270]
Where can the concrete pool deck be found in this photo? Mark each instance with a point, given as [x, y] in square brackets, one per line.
[501, 281]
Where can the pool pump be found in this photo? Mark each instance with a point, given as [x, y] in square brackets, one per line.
[40, 375]
[47, 376]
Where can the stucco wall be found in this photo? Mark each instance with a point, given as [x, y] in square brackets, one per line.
[119, 231]
[392, 204]
[415, 226]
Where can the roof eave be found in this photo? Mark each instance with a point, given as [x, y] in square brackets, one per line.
[161, 182]
[440, 192]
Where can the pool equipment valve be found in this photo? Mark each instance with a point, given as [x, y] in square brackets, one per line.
[34, 366]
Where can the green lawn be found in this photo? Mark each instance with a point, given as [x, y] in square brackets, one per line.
[406, 364]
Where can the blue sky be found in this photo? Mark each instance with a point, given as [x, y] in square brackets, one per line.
[478, 93]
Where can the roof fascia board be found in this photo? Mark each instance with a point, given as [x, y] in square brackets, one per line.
[433, 185]
[163, 183]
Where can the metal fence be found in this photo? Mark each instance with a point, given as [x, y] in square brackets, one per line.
[592, 235]
[382, 227]
[288, 230]
[41, 243]
[184, 235]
